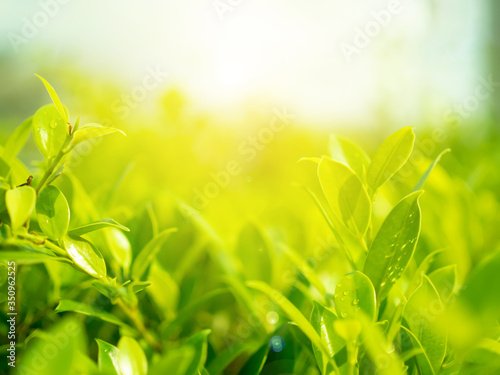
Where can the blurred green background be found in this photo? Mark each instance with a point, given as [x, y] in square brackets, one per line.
[220, 102]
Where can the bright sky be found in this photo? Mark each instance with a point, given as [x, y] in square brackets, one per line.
[420, 56]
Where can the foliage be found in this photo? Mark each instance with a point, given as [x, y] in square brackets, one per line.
[99, 297]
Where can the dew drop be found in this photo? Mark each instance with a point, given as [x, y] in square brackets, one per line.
[346, 292]
[344, 314]
[53, 124]
[355, 302]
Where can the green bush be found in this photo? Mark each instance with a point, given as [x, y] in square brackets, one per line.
[94, 296]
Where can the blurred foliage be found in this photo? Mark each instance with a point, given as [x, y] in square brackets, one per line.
[254, 279]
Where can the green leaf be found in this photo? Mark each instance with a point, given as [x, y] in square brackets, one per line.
[310, 274]
[407, 337]
[381, 354]
[17, 140]
[346, 195]
[254, 253]
[445, 281]
[421, 310]
[52, 212]
[55, 100]
[120, 248]
[148, 253]
[348, 153]
[218, 364]
[421, 181]
[20, 203]
[108, 358]
[394, 244]
[131, 357]
[28, 257]
[354, 293]
[293, 313]
[57, 351]
[96, 225]
[256, 362]
[164, 291]
[85, 256]
[390, 157]
[89, 131]
[49, 130]
[199, 341]
[322, 320]
[175, 361]
[81, 308]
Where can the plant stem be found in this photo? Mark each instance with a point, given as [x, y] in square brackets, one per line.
[49, 170]
[132, 314]
[56, 249]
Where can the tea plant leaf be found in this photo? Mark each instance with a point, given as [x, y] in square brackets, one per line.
[394, 244]
[199, 341]
[422, 308]
[254, 253]
[350, 154]
[164, 291]
[353, 293]
[52, 212]
[293, 313]
[346, 195]
[49, 130]
[55, 99]
[322, 320]
[85, 256]
[60, 346]
[89, 131]
[119, 246]
[386, 360]
[302, 265]
[148, 253]
[444, 280]
[390, 157]
[108, 358]
[217, 365]
[425, 176]
[96, 225]
[82, 308]
[175, 361]
[421, 358]
[17, 140]
[131, 357]
[28, 257]
[255, 363]
[20, 203]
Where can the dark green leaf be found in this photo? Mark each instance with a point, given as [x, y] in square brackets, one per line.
[85, 256]
[394, 244]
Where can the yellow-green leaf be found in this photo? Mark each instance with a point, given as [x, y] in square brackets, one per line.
[55, 100]
[89, 131]
[354, 293]
[131, 357]
[85, 256]
[346, 195]
[390, 157]
[49, 130]
[20, 203]
[52, 212]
